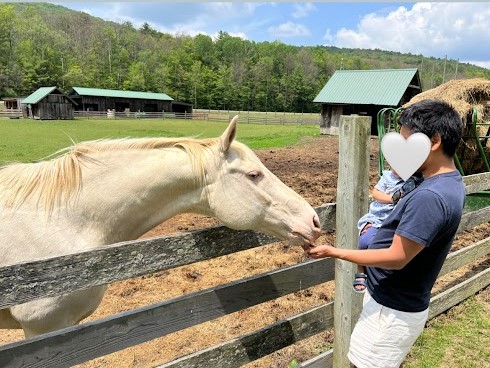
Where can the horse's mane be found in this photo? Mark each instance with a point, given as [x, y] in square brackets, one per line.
[56, 180]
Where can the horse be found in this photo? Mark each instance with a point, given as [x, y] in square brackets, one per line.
[111, 190]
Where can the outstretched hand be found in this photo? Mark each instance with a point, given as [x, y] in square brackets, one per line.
[319, 251]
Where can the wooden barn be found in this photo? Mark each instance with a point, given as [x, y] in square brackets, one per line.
[12, 103]
[95, 99]
[365, 92]
[48, 103]
[179, 106]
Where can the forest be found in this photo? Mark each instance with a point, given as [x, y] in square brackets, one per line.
[49, 45]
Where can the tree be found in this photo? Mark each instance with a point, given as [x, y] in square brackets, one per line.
[136, 77]
[7, 20]
[44, 44]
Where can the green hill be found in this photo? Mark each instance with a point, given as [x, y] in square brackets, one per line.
[47, 45]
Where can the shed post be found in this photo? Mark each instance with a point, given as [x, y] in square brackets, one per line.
[352, 202]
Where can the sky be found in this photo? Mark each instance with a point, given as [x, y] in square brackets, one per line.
[458, 30]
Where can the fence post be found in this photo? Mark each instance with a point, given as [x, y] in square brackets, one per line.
[352, 202]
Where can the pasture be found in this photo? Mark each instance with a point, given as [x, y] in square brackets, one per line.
[310, 167]
[26, 140]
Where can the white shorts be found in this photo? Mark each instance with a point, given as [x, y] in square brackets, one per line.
[383, 336]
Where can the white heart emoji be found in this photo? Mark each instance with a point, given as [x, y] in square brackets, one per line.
[405, 155]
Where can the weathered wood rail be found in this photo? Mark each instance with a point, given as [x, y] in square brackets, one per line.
[74, 345]
[90, 340]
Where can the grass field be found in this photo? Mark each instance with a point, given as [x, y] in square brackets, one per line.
[459, 338]
[27, 140]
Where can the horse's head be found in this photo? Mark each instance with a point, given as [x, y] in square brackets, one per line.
[244, 194]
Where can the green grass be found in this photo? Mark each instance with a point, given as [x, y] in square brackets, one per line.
[476, 201]
[459, 338]
[27, 140]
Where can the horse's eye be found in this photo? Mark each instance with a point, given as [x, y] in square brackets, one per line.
[254, 175]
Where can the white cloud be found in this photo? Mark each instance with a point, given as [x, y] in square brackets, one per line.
[230, 9]
[289, 29]
[242, 35]
[458, 30]
[303, 10]
[328, 37]
[483, 64]
[187, 18]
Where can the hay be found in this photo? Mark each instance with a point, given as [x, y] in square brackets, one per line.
[463, 95]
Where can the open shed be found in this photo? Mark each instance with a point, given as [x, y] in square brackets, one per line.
[179, 106]
[48, 103]
[364, 92]
[12, 103]
[96, 99]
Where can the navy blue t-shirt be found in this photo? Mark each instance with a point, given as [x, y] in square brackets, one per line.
[430, 216]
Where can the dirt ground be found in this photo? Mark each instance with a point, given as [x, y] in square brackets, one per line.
[311, 170]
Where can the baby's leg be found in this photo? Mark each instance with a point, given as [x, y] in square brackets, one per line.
[365, 240]
[366, 237]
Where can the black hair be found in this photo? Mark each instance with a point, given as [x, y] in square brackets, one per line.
[434, 118]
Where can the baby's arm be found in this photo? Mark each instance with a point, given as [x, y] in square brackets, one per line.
[380, 196]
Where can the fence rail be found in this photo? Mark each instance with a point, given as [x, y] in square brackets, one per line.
[246, 117]
[258, 117]
[212, 115]
[139, 115]
[74, 345]
[13, 114]
[77, 344]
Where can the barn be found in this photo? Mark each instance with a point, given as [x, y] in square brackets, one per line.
[181, 107]
[96, 99]
[364, 92]
[48, 103]
[12, 103]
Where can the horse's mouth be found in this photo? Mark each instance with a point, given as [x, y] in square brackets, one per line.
[300, 239]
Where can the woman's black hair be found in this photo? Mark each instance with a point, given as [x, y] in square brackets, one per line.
[434, 118]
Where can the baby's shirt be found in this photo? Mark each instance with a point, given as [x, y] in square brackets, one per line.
[378, 212]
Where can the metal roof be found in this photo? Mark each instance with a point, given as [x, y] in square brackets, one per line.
[367, 87]
[82, 91]
[37, 96]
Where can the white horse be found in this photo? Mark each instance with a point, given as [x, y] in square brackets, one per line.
[107, 191]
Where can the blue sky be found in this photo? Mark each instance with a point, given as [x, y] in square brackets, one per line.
[456, 29]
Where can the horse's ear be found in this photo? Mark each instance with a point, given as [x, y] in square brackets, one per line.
[229, 135]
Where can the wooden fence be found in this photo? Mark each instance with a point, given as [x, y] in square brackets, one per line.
[139, 115]
[259, 117]
[60, 275]
[246, 117]
[12, 114]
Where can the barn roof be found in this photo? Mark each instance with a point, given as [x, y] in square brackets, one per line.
[38, 95]
[82, 91]
[368, 87]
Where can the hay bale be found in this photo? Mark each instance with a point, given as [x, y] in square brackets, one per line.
[463, 95]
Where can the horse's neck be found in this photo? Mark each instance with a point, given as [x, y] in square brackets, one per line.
[129, 193]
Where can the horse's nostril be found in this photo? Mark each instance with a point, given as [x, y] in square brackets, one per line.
[316, 221]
